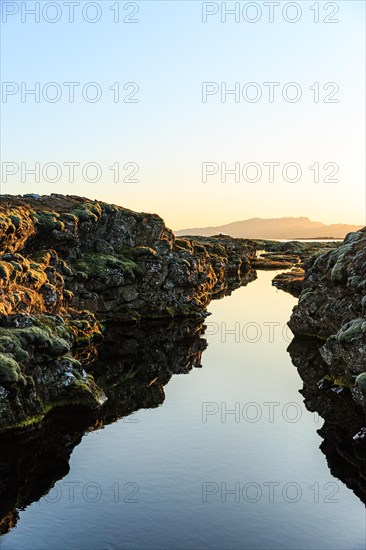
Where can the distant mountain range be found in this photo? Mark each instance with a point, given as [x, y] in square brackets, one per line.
[275, 228]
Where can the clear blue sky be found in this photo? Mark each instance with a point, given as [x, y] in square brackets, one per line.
[170, 132]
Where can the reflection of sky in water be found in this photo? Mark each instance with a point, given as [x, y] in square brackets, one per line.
[170, 452]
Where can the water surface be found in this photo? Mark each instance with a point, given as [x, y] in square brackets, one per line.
[192, 474]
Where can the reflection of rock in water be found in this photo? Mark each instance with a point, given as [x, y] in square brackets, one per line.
[136, 362]
[31, 464]
[133, 366]
[346, 458]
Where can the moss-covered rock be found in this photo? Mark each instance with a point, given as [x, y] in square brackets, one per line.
[99, 265]
[47, 221]
[66, 261]
[9, 370]
[332, 307]
[361, 381]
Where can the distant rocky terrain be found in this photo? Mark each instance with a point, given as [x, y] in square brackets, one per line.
[276, 228]
[292, 255]
[68, 265]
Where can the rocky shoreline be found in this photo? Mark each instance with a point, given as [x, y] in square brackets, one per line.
[332, 308]
[100, 306]
[291, 255]
[135, 363]
[68, 266]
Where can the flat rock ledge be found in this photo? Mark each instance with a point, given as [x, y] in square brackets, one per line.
[289, 255]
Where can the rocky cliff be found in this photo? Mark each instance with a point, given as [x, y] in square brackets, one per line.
[332, 307]
[69, 264]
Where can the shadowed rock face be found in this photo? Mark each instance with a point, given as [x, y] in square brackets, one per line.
[343, 420]
[68, 263]
[134, 365]
[332, 307]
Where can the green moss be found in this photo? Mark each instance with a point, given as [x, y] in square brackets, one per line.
[15, 220]
[48, 221]
[361, 381]
[351, 330]
[15, 343]
[84, 332]
[139, 251]
[41, 257]
[58, 346]
[23, 424]
[66, 270]
[166, 313]
[69, 217]
[9, 343]
[97, 265]
[89, 386]
[36, 275]
[343, 382]
[47, 322]
[47, 409]
[183, 244]
[84, 216]
[339, 257]
[42, 337]
[35, 335]
[9, 370]
[87, 212]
